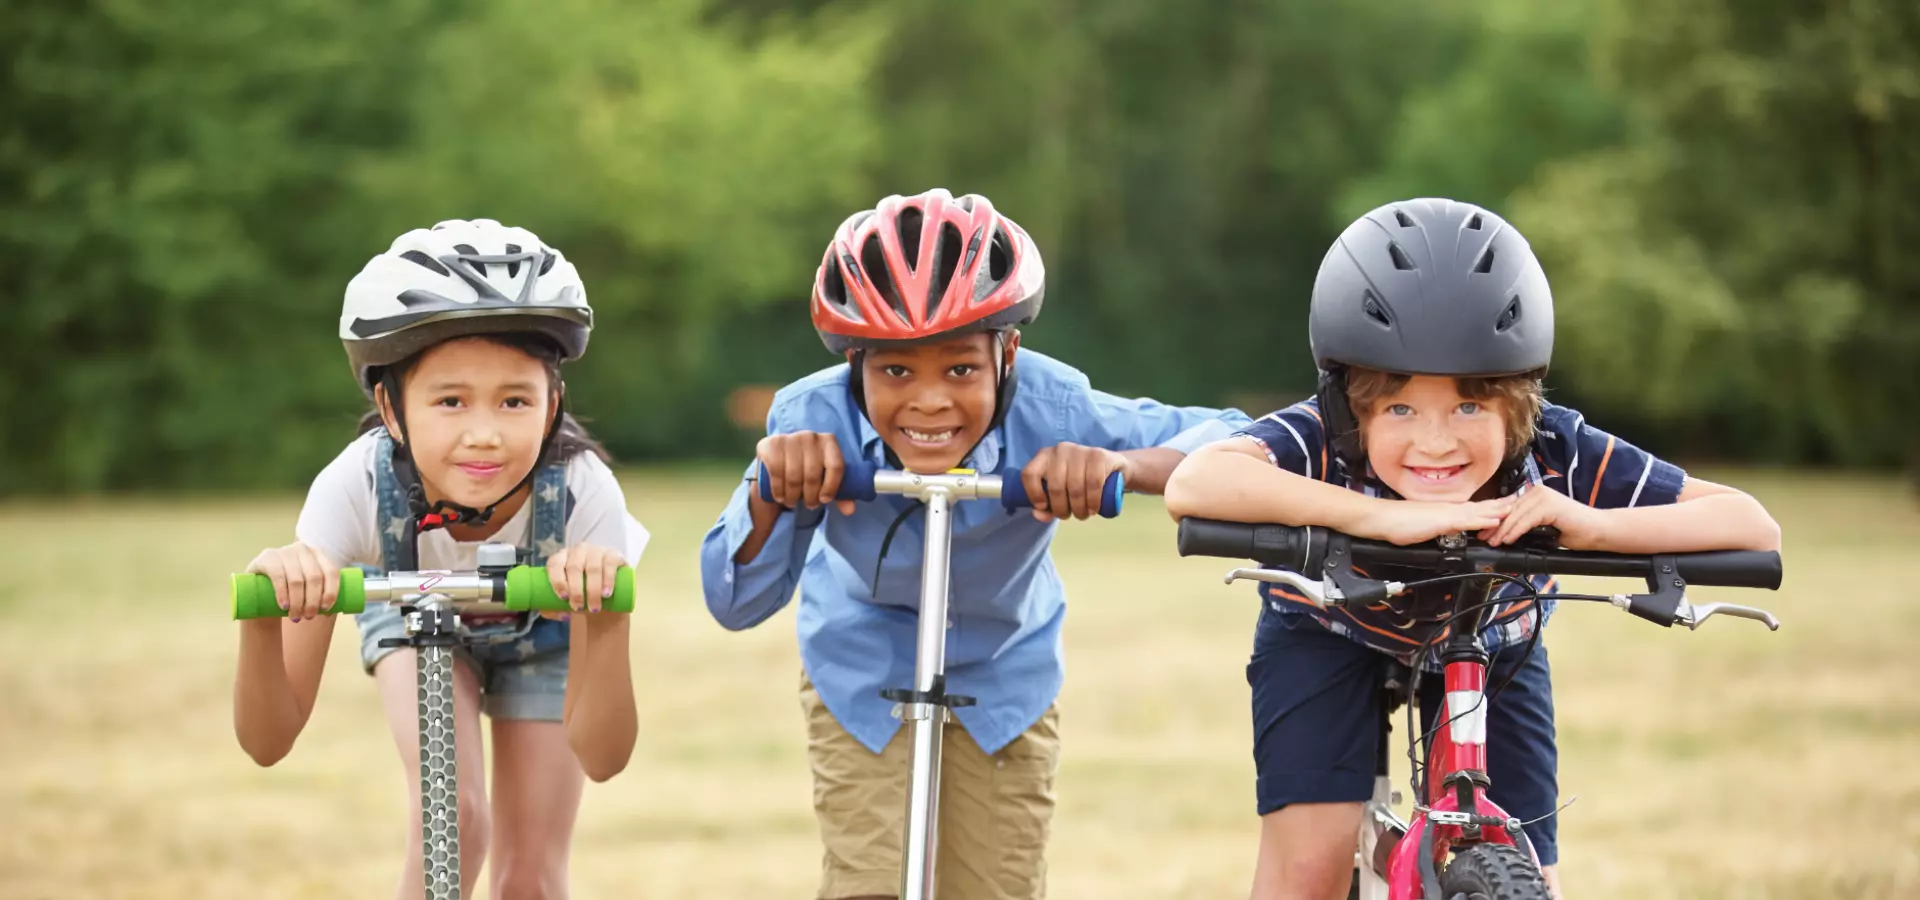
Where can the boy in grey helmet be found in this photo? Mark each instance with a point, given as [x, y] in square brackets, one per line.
[1432, 326]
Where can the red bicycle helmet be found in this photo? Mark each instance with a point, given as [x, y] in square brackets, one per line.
[925, 267]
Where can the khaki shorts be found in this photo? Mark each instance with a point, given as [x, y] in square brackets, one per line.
[995, 811]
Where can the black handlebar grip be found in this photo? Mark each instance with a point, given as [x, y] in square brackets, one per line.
[1731, 568]
[1270, 544]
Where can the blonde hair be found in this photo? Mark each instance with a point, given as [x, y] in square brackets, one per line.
[1519, 398]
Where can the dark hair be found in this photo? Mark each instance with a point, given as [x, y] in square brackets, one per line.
[570, 439]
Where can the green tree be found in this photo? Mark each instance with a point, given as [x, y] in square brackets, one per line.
[1738, 269]
[171, 190]
[1524, 95]
[685, 164]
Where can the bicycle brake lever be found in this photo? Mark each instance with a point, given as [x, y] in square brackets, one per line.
[1320, 594]
[1692, 616]
[1307, 587]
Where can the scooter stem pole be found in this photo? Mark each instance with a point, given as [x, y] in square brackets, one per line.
[928, 720]
[439, 780]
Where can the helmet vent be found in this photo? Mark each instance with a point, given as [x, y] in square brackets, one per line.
[1374, 309]
[1474, 223]
[833, 286]
[910, 220]
[1486, 263]
[1403, 219]
[946, 259]
[546, 260]
[999, 256]
[468, 250]
[1508, 316]
[874, 260]
[425, 261]
[513, 268]
[1401, 260]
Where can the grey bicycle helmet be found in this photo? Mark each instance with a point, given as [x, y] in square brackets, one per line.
[1425, 287]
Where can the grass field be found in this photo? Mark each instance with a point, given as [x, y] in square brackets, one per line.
[1725, 763]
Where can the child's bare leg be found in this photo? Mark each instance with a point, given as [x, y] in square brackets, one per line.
[1306, 851]
[396, 675]
[536, 797]
[1552, 876]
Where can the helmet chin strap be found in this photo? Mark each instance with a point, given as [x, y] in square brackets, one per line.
[428, 515]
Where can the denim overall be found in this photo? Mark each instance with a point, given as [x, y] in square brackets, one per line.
[525, 639]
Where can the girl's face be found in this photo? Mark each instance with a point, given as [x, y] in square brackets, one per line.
[932, 402]
[1427, 442]
[476, 415]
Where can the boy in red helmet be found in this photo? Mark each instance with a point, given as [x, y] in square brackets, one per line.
[923, 297]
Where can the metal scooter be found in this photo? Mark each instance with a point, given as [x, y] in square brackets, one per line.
[433, 603]
[925, 706]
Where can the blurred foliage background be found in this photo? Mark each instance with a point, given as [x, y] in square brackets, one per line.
[1724, 194]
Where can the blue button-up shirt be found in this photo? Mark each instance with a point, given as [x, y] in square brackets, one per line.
[1006, 601]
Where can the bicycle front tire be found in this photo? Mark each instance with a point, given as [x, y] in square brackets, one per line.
[1493, 872]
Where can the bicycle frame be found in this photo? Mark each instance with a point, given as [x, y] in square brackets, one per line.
[1455, 808]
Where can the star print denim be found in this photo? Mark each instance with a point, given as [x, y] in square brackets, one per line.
[521, 662]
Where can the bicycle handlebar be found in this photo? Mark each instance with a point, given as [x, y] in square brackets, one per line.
[519, 589]
[1313, 553]
[1303, 549]
[864, 481]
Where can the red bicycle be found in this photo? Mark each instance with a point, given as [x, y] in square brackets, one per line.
[1460, 844]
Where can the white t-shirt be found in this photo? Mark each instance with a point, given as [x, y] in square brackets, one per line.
[339, 517]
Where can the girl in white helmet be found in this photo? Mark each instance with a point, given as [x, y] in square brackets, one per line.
[457, 334]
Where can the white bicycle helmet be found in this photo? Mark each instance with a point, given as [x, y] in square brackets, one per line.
[460, 278]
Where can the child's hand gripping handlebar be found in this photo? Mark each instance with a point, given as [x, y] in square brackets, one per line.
[865, 481]
[519, 589]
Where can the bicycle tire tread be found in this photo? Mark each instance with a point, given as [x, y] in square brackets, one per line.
[1493, 872]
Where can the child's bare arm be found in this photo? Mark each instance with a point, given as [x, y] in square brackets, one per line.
[599, 713]
[1706, 516]
[276, 681]
[598, 710]
[1149, 468]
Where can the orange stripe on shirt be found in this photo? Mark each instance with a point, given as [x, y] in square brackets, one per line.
[1381, 631]
[1594, 496]
[1323, 438]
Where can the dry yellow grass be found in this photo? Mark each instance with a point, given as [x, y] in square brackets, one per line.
[1726, 763]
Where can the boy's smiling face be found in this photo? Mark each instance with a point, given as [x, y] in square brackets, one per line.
[931, 403]
[1427, 442]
